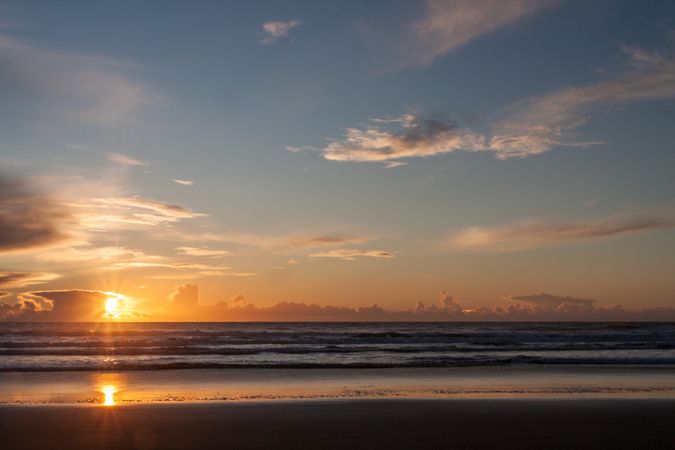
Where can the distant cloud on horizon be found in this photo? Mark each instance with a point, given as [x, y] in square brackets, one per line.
[183, 305]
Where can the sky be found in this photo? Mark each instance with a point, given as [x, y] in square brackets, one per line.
[303, 160]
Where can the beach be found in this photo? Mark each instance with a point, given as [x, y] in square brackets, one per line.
[355, 386]
[356, 424]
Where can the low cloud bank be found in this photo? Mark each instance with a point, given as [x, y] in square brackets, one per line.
[538, 307]
[183, 305]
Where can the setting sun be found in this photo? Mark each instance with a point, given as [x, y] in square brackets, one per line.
[115, 306]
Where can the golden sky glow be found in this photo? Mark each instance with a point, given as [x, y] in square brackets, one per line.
[476, 157]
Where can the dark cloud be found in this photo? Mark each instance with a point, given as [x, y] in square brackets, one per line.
[57, 306]
[28, 219]
[27, 307]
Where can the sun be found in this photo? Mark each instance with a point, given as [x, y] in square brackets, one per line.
[114, 306]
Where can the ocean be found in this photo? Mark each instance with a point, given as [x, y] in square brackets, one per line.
[42, 347]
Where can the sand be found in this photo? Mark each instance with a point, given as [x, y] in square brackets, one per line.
[353, 424]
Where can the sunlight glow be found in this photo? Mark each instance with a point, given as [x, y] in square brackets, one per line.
[109, 395]
[115, 306]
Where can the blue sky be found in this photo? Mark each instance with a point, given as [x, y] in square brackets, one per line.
[345, 152]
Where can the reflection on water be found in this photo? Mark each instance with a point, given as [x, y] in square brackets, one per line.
[108, 395]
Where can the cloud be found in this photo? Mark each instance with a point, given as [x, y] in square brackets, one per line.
[91, 254]
[537, 125]
[184, 182]
[166, 265]
[450, 24]
[191, 270]
[126, 160]
[531, 127]
[198, 251]
[527, 235]
[539, 307]
[30, 220]
[273, 31]
[289, 242]
[113, 212]
[58, 306]
[10, 280]
[350, 254]
[185, 296]
[550, 302]
[183, 305]
[407, 136]
[85, 87]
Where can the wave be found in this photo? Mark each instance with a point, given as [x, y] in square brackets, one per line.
[520, 360]
[132, 346]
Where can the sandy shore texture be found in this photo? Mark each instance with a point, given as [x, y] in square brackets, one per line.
[351, 424]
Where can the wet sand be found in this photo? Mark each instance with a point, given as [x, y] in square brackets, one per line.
[354, 424]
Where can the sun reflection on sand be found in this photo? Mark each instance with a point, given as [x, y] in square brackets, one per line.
[109, 395]
[110, 385]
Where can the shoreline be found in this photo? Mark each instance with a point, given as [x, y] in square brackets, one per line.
[185, 386]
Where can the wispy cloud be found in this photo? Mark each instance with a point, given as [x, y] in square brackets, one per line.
[350, 254]
[538, 124]
[533, 126]
[527, 235]
[126, 160]
[200, 251]
[89, 88]
[289, 242]
[12, 280]
[114, 212]
[183, 182]
[168, 265]
[275, 30]
[187, 270]
[450, 24]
